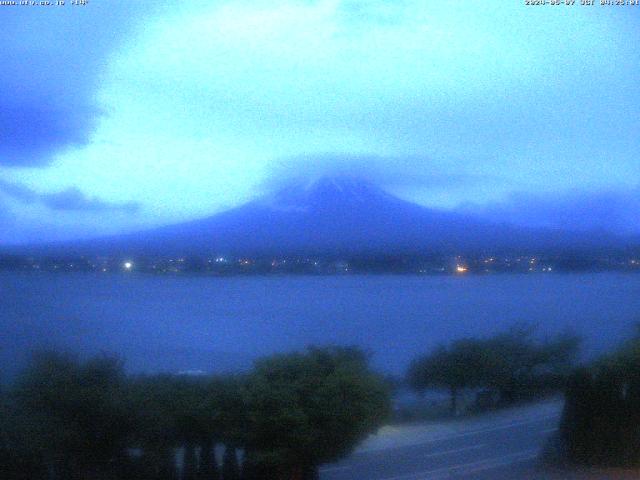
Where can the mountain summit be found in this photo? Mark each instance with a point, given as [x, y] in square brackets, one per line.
[327, 193]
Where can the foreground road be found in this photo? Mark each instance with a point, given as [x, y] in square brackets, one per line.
[502, 445]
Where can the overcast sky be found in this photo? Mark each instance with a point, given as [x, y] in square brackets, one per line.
[120, 115]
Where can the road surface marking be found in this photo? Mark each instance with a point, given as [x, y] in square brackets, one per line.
[429, 455]
[516, 458]
[456, 450]
[470, 467]
[450, 436]
[503, 426]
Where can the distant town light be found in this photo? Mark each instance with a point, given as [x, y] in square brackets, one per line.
[461, 269]
[127, 265]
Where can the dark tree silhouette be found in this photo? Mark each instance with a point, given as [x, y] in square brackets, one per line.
[601, 419]
[74, 416]
[514, 364]
[230, 468]
[311, 408]
[518, 366]
[71, 420]
[208, 466]
[455, 368]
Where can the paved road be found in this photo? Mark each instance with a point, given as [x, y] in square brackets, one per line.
[502, 445]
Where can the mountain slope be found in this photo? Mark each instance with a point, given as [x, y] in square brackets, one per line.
[336, 216]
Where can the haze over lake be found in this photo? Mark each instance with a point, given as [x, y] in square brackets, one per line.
[219, 324]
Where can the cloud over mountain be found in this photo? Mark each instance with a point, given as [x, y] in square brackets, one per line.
[70, 199]
[607, 210]
[419, 171]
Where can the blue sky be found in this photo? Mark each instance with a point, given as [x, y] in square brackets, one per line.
[123, 115]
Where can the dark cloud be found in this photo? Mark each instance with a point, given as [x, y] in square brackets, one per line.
[612, 210]
[71, 199]
[34, 131]
[410, 171]
[50, 73]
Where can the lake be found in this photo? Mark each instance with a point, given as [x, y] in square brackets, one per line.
[165, 323]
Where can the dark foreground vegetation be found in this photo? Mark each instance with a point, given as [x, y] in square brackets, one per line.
[601, 419]
[506, 368]
[65, 419]
[70, 420]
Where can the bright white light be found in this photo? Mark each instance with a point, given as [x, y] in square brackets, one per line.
[128, 265]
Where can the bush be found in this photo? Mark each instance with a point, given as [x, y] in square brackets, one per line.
[311, 408]
[601, 419]
[510, 366]
[71, 420]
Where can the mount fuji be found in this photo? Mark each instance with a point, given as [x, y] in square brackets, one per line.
[337, 215]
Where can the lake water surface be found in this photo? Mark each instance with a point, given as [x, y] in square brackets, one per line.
[163, 323]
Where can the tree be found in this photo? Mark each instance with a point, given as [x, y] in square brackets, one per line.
[601, 419]
[220, 418]
[309, 408]
[519, 366]
[156, 434]
[513, 363]
[179, 412]
[73, 416]
[8, 458]
[192, 413]
[232, 422]
[459, 366]
[230, 468]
